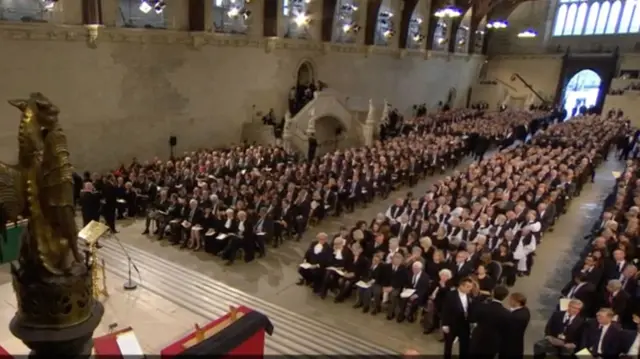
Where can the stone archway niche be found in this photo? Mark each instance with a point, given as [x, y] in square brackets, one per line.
[306, 74]
[331, 134]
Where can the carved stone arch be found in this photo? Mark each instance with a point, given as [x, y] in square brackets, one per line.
[405, 19]
[305, 71]
[373, 9]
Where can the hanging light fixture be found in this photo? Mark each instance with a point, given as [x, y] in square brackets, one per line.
[527, 34]
[146, 6]
[450, 11]
[497, 24]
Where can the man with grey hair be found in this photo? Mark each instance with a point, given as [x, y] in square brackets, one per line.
[563, 332]
[616, 299]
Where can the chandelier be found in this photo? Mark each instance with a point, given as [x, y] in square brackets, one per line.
[497, 24]
[449, 12]
[527, 34]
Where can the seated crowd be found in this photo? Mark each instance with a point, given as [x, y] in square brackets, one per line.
[483, 223]
[238, 199]
[605, 282]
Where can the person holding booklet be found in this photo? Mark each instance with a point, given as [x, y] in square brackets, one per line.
[316, 259]
[413, 294]
[336, 266]
[228, 226]
[398, 280]
[354, 270]
[370, 285]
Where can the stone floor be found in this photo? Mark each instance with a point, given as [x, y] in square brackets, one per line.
[273, 278]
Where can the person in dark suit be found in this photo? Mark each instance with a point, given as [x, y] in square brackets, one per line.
[376, 278]
[582, 290]
[398, 279]
[90, 204]
[192, 225]
[563, 332]
[419, 282]
[604, 338]
[109, 203]
[513, 345]
[263, 231]
[455, 318]
[616, 299]
[315, 260]
[354, 270]
[241, 239]
[492, 323]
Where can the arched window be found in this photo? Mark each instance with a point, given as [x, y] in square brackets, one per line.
[462, 37]
[25, 11]
[592, 19]
[627, 14]
[229, 16]
[614, 18]
[580, 19]
[440, 36]
[296, 18]
[385, 26]
[571, 19]
[635, 23]
[133, 14]
[415, 36]
[603, 17]
[344, 26]
[558, 26]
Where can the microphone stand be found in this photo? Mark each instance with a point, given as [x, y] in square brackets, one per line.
[130, 284]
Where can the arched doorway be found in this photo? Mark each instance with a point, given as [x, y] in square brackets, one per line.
[581, 92]
[305, 74]
[331, 134]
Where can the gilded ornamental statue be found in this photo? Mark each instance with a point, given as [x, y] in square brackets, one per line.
[57, 312]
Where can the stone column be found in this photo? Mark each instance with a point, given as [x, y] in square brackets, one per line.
[255, 22]
[286, 132]
[176, 15]
[72, 11]
[369, 125]
[360, 18]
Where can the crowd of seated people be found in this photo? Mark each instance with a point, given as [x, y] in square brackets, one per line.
[599, 308]
[239, 199]
[484, 223]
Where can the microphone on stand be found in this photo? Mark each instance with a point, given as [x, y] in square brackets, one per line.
[130, 284]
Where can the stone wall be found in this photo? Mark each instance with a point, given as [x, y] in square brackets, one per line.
[125, 97]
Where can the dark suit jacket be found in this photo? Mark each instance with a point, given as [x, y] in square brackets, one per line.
[612, 343]
[421, 286]
[513, 345]
[618, 303]
[453, 314]
[572, 333]
[397, 279]
[585, 294]
[492, 320]
[359, 266]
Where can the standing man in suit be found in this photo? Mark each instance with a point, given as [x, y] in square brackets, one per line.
[604, 338]
[455, 318]
[513, 345]
[492, 323]
[562, 334]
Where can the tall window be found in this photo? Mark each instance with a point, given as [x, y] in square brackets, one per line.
[440, 36]
[26, 10]
[296, 15]
[136, 13]
[415, 37]
[635, 23]
[614, 17]
[596, 17]
[580, 19]
[625, 19]
[229, 16]
[594, 10]
[571, 19]
[603, 16]
[385, 28]
[345, 26]
[561, 16]
[462, 37]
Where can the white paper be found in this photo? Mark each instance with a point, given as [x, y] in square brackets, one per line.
[197, 227]
[210, 232]
[129, 345]
[326, 206]
[363, 284]
[406, 293]
[185, 224]
[221, 236]
[174, 221]
[306, 265]
[261, 234]
[120, 200]
[564, 304]
[584, 353]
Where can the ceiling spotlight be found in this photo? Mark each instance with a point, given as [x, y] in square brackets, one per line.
[233, 12]
[159, 7]
[418, 38]
[388, 33]
[48, 5]
[145, 7]
[528, 34]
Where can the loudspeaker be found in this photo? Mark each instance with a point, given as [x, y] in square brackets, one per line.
[173, 140]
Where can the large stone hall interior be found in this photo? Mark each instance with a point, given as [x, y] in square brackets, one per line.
[130, 75]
